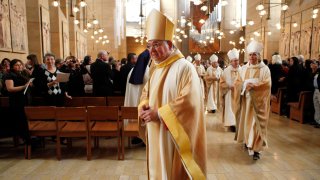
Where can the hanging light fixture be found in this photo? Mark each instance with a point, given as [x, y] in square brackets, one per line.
[204, 8]
[260, 7]
[263, 12]
[76, 21]
[100, 30]
[89, 25]
[95, 32]
[55, 3]
[284, 7]
[105, 36]
[107, 41]
[295, 24]
[85, 30]
[315, 11]
[76, 9]
[202, 21]
[83, 3]
[95, 21]
[251, 23]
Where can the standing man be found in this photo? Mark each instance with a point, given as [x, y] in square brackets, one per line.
[201, 72]
[124, 71]
[213, 75]
[230, 89]
[171, 109]
[101, 75]
[255, 100]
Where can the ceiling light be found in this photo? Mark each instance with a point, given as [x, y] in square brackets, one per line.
[85, 30]
[284, 7]
[315, 11]
[189, 24]
[105, 36]
[100, 30]
[252, 39]
[178, 30]
[251, 23]
[107, 41]
[180, 40]
[314, 16]
[204, 8]
[207, 37]
[217, 31]
[55, 3]
[89, 25]
[260, 7]
[219, 37]
[137, 40]
[97, 41]
[202, 21]
[95, 32]
[76, 21]
[224, 3]
[100, 38]
[76, 9]
[278, 26]
[185, 36]
[183, 21]
[92, 37]
[103, 42]
[269, 33]
[95, 21]
[231, 32]
[263, 12]
[295, 24]
[182, 32]
[83, 3]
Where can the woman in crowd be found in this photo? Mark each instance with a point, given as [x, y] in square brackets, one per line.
[294, 80]
[86, 74]
[4, 69]
[35, 71]
[16, 84]
[54, 93]
[75, 85]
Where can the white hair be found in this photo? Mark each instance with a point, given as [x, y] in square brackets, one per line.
[276, 59]
[101, 52]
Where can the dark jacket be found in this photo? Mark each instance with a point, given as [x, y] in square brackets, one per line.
[101, 75]
[124, 71]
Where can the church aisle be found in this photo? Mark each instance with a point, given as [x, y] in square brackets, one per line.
[293, 153]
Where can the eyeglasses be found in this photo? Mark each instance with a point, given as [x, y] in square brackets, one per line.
[156, 45]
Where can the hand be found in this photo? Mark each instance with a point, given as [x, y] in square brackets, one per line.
[249, 86]
[281, 79]
[67, 95]
[148, 114]
[31, 84]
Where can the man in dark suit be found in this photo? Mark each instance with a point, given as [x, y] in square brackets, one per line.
[124, 71]
[101, 75]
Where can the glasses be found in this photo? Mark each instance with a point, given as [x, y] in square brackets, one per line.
[156, 45]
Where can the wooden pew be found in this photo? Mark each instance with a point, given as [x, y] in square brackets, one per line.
[299, 109]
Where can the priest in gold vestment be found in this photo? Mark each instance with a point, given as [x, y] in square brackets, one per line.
[230, 88]
[171, 116]
[255, 102]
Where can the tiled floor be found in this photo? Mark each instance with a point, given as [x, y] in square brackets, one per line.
[293, 153]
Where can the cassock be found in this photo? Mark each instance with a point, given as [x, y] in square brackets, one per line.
[255, 107]
[213, 76]
[176, 144]
[201, 73]
[230, 98]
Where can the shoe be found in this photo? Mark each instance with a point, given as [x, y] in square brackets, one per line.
[245, 146]
[213, 111]
[256, 156]
[232, 128]
[135, 141]
[317, 126]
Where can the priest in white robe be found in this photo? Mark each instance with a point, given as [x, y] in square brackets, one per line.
[230, 89]
[171, 113]
[201, 72]
[212, 77]
[255, 102]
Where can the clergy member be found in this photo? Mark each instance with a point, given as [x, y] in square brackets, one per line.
[255, 100]
[230, 89]
[201, 72]
[171, 109]
[212, 77]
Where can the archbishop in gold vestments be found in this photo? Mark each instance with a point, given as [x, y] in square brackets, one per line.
[176, 145]
[230, 98]
[255, 107]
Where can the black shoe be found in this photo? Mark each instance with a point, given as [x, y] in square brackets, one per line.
[232, 128]
[317, 126]
[213, 111]
[256, 156]
[245, 146]
[135, 141]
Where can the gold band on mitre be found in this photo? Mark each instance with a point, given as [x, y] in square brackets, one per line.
[159, 27]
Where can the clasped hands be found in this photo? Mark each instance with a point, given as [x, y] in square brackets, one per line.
[147, 114]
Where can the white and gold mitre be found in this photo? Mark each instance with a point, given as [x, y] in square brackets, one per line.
[159, 27]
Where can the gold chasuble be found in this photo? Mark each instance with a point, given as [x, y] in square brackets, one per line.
[255, 107]
[176, 144]
[230, 98]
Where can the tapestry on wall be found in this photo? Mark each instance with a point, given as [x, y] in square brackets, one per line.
[65, 38]
[5, 34]
[45, 30]
[315, 50]
[306, 30]
[81, 46]
[18, 24]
